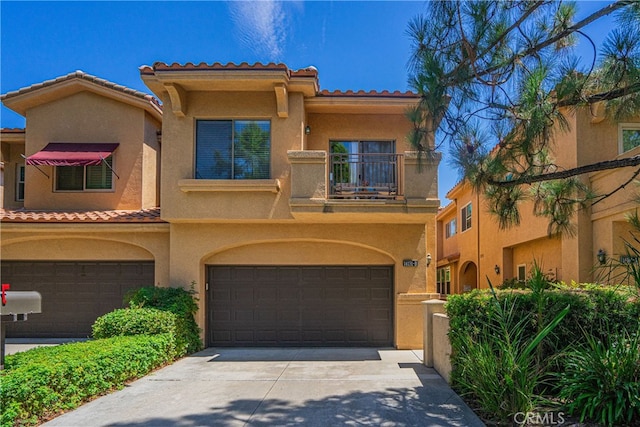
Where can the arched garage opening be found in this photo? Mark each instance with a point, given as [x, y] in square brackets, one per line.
[79, 280]
[300, 294]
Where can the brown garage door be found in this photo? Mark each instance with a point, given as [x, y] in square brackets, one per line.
[300, 306]
[74, 294]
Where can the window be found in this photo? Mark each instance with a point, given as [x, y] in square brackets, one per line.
[20, 183]
[450, 228]
[443, 282]
[233, 149]
[85, 178]
[629, 137]
[522, 273]
[466, 217]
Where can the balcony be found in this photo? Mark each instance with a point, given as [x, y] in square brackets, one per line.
[363, 187]
[365, 176]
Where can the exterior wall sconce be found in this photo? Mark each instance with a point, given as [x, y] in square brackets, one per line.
[602, 256]
[307, 130]
[497, 269]
[428, 260]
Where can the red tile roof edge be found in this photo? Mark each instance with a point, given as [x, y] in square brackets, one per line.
[230, 66]
[384, 93]
[51, 216]
[88, 77]
[12, 130]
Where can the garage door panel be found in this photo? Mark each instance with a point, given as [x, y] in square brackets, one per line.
[300, 305]
[74, 294]
[269, 274]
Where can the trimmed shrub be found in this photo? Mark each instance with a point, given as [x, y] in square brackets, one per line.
[178, 301]
[134, 321]
[41, 383]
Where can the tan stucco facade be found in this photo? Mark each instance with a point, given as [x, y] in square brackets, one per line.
[286, 219]
[497, 254]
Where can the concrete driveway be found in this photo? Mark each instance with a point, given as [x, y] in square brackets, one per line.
[282, 387]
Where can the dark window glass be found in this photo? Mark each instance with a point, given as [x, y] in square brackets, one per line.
[227, 149]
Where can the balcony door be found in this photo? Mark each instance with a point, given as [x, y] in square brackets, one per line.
[364, 163]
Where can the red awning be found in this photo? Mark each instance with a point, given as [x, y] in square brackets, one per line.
[71, 154]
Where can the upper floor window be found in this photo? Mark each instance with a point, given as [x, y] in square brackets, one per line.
[233, 149]
[466, 217]
[20, 169]
[629, 137]
[85, 178]
[450, 228]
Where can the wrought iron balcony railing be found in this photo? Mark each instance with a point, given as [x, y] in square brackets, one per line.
[365, 176]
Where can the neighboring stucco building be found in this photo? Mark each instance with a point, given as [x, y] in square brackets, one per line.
[472, 250]
[298, 215]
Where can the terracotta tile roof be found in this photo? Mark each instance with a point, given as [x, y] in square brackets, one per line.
[84, 76]
[230, 66]
[372, 93]
[12, 130]
[116, 216]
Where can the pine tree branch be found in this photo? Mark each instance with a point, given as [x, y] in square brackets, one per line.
[548, 42]
[594, 167]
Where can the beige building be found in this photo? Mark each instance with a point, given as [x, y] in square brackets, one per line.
[298, 215]
[472, 250]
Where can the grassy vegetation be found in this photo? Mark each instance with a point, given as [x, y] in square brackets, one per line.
[548, 347]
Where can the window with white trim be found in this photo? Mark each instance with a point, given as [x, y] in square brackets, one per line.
[20, 170]
[443, 282]
[450, 228]
[465, 216]
[522, 272]
[628, 137]
[85, 178]
[233, 149]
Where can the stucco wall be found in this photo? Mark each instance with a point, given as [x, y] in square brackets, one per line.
[193, 246]
[86, 118]
[357, 127]
[11, 156]
[89, 242]
[179, 156]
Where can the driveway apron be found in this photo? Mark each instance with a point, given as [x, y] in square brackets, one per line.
[282, 387]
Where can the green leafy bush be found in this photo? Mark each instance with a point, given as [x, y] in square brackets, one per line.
[601, 380]
[483, 360]
[43, 382]
[136, 321]
[178, 301]
[592, 308]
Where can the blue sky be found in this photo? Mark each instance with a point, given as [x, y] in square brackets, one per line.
[355, 45]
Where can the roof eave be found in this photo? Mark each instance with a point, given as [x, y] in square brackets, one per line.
[22, 100]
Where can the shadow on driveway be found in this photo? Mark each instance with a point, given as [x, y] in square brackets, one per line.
[283, 387]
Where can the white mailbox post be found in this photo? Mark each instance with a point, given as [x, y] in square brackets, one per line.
[16, 306]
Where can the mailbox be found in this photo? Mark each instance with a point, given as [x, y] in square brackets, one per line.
[16, 305]
[21, 303]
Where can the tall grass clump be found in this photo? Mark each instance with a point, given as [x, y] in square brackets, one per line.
[601, 380]
[497, 366]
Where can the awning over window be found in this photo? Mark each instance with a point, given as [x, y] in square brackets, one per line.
[72, 154]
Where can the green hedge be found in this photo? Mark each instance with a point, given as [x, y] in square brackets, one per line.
[43, 382]
[179, 301]
[139, 321]
[598, 315]
[593, 309]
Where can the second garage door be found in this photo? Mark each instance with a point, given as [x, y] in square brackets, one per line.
[300, 306]
[74, 293]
